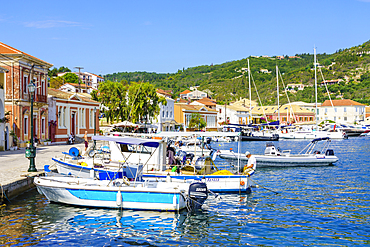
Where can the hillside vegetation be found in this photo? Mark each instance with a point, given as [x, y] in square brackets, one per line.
[229, 82]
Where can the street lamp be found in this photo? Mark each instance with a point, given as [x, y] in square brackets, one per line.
[94, 125]
[31, 151]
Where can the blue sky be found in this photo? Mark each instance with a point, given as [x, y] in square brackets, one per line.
[164, 36]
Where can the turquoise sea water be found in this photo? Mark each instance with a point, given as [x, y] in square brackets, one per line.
[314, 206]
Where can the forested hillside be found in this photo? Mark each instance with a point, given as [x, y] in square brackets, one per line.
[229, 81]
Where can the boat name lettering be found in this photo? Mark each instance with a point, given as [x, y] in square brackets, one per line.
[213, 179]
[201, 189]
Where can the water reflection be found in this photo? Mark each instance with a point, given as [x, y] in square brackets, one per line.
[315, 205]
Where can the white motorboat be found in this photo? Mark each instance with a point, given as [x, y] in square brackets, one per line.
[122, 157]
[274, 157]
[132, 157]
[313, 134]
[123, 194]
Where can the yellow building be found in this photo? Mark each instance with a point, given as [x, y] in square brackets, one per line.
[183, 115]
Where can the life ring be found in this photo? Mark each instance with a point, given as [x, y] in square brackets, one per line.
[242, 183]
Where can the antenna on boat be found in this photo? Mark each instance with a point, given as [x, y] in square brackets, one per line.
[250, 92]
[278, 103]
[314, 63]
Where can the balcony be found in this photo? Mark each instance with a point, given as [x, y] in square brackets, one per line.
[41, 98]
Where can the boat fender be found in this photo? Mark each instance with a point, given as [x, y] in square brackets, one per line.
[242, 183]
[46, 168]
[119, 198]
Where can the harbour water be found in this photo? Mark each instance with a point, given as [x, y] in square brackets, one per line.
[314, 206]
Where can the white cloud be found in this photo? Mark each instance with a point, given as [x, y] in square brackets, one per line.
[51, 24]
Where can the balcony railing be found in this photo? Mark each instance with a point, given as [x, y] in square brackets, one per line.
[41, 98]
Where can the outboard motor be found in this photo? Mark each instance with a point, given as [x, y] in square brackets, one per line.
[190, 157]
[198, 194]
[208, 140]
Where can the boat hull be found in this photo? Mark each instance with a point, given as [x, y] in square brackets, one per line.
[313, 135]
[292, 161]
[215, 183]
[78, 193]
[283, 161]
[259, 138]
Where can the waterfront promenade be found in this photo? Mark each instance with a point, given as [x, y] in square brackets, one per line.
[14, 177]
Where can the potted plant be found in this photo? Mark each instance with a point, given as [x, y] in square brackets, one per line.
[15, 137]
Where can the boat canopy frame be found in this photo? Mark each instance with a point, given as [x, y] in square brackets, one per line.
[310, 148]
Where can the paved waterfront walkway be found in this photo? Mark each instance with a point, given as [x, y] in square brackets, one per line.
[14, 164]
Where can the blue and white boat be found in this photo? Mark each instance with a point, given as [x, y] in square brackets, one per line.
[117, 157]
[123, 194]
[222, 181]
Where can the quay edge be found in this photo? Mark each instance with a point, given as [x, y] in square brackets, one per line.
[18, 186]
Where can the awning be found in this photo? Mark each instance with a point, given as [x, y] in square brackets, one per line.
[149, 126]
[125, 124]
[129, 140]
[170, 122]
[210, 133]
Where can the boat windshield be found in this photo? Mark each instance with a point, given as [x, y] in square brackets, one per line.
[136, 149]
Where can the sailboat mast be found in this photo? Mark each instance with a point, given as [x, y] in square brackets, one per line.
[314, 63]
[277, 86]
[250, 93]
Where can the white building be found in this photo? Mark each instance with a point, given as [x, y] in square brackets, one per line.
[232, 114]
[96, 80]
[342, 111]
[5, 139]
[165, 120]
[294, 87]
[75, 88]
[87, 78]
[195, 95]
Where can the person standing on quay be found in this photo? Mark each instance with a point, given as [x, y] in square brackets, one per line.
[86, 140]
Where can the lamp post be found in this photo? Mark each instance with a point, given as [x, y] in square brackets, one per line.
[31, 151]
[94, 125]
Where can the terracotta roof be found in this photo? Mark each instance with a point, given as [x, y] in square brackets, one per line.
[66, 95]
[182, 101]
[161, 91]
[186, 92]
[284, 109]
[6, 49]
[195, 107]
[245, 102]
[95, 75]
[341, 102]
[237, 108]
[206, 101]
[76, 85]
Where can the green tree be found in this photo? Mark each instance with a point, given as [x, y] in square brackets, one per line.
[71, 78]
[113, 97]
[143, 102]
[56, 82]
[197, 121]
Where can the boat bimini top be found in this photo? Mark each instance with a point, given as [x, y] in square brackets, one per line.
[129, 140]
